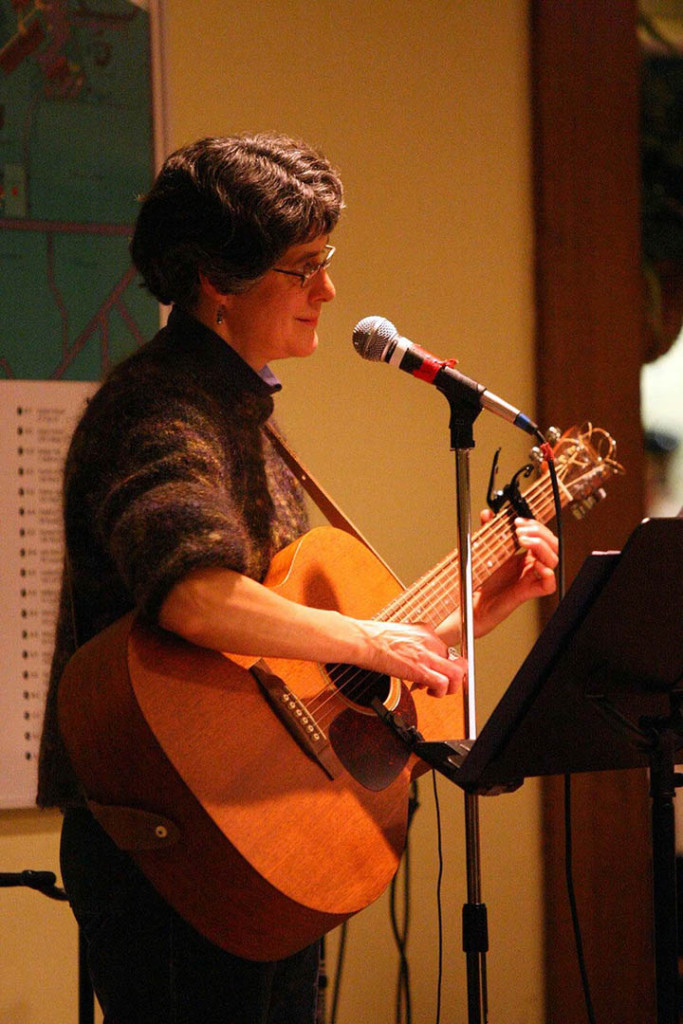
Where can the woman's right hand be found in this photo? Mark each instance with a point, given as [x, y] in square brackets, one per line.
[412, 652]
[225, 611]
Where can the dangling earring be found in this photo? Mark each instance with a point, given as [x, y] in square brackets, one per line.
[219, 315]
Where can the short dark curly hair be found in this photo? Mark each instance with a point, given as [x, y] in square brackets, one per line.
[230, 207]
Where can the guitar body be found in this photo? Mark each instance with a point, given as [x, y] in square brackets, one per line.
[267, 802]
[261, 844]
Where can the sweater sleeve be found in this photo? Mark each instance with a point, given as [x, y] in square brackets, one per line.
[169, 500]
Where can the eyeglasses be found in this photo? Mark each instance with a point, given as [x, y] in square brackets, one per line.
[310, 269]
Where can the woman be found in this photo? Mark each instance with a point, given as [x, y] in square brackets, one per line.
[176, 502]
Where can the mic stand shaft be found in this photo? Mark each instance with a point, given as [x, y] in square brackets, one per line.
[446, 756]
[474, 918]
[464, 411]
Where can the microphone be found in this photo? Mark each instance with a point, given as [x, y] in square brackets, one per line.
[376, 339]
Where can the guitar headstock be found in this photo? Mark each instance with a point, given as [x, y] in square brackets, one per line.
[585, 458]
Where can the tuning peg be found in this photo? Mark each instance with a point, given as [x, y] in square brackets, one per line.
[537, 454]
[581, 508]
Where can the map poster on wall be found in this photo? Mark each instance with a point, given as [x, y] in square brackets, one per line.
[76, 152]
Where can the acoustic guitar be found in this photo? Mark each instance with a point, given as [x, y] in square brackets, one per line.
[267, 802]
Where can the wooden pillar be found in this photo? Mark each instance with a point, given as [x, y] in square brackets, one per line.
[590, 337]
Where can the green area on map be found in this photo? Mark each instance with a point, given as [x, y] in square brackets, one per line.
[76, 152]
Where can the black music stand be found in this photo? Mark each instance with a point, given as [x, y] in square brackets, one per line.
[602, 688]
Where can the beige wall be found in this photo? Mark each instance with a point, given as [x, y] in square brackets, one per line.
[424, 107]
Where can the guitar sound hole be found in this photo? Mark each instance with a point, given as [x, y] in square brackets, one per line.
[359, 686]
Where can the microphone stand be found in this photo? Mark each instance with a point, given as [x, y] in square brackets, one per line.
[446, 756]
[465, 408]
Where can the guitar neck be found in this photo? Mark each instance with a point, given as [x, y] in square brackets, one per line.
[436, 594]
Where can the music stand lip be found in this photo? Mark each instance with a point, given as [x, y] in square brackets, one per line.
[620, 619]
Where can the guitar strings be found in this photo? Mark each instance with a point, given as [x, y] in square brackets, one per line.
[495, 540]
[494, 548]
[352, 680]
[444, 577]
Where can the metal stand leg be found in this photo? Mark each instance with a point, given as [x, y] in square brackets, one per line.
[86, 996]
[474, 921]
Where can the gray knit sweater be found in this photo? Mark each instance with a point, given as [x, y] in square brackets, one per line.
[169, 470]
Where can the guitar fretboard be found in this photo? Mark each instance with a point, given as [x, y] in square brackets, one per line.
[436, 594]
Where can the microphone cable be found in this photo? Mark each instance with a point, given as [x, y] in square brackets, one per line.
[439, 908]
[400, 932]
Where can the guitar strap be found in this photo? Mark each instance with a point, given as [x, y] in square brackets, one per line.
[315, 491]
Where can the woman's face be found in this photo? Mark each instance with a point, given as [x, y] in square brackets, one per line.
[277, 317]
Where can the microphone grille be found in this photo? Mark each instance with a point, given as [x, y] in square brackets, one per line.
[371, 335]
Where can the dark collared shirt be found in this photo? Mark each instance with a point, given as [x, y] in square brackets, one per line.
[168, 471]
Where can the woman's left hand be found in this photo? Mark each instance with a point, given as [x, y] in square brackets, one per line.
[529, 573]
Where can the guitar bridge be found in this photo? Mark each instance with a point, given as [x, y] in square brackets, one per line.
[296, 717]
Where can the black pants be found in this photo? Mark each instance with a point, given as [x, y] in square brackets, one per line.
[149, 966]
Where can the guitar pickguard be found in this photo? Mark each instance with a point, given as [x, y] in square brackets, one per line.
[369, 751]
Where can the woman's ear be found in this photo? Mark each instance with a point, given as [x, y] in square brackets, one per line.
[211, 303]
[209, 290]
